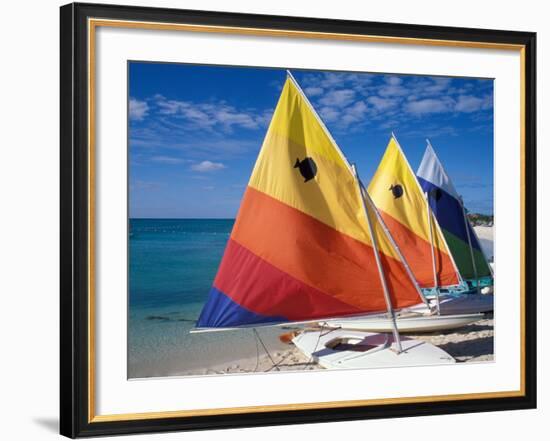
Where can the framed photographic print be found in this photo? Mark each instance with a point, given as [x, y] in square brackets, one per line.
[274, 220]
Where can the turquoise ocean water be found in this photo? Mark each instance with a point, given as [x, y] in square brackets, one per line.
[172, 264]
[174, 261]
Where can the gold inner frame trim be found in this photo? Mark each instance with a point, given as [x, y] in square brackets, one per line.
[298, 34]
[92, 25]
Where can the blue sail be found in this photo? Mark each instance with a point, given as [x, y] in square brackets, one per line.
[447, 207]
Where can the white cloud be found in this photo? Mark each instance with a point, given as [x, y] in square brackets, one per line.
[393, 87]
[313, 91]
[469, 103]
[393, 90]
[344, 118]
[228, 116]
[209, 115]
[432, 131]
[329, 114]
[438, 86]
[167, 159]
[354, 114]
[207, 166]
[138, 109]
[394, 81]
[264, 117]
[334, 80]
[381, 104]
[359, 108]
[330, 79]
[428, 105]
[338, 98]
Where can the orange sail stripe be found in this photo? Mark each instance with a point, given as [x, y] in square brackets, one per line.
[274, 292]
[318, 255]
[416, 250]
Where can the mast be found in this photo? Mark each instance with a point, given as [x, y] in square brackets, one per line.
[379, 264]
[466, 225]
[434, 269]
[437, 226]
[394, 245]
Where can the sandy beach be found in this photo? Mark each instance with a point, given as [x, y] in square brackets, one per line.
[471, 343]
[485, 236]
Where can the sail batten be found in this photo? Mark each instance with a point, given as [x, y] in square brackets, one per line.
[300, 248]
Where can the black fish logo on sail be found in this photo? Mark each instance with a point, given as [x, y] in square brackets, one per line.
[307, 167]
[435, 194]
[396, 191]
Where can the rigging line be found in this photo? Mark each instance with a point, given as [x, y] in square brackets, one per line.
[466, 226]
[265, 349]
[434, 267]
[308, 363]
[257, 351]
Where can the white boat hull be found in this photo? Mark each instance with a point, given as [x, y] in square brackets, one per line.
[464, 304]
[331, 350]
[467, 304]
[415, 323]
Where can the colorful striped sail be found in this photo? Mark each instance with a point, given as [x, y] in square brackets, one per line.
[447, 207]
[300, 248]
[402, 205]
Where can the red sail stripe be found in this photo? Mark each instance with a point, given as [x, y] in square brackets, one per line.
[263, 289]
[317, 255]
[415, 249]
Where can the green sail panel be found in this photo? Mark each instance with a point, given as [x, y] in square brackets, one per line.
[463, 259]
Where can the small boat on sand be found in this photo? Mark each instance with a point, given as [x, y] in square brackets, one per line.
[337, 349]
[458, 304]
[407, 321]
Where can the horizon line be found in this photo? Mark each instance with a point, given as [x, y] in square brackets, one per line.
[233, 218]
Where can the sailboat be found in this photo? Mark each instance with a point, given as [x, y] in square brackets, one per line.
[417, 237]
[448, 208]
[307, 246]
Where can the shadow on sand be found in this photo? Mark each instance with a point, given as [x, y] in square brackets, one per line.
[469, 348]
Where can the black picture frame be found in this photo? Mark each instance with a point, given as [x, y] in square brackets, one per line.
[76, 417]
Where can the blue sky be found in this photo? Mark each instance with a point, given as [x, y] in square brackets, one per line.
[195, 131]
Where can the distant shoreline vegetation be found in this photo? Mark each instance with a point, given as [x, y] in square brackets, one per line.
[481, 220]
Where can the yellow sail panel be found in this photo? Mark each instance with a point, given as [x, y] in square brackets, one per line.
[297, 150]
[399, 199]
[295, 121]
